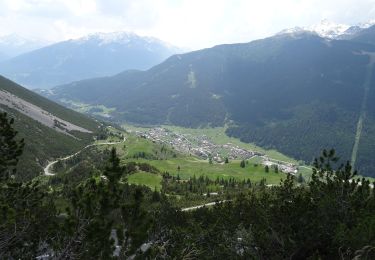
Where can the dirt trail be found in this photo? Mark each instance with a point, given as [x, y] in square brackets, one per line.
[47, 171]
[362, 115]
[204, 205]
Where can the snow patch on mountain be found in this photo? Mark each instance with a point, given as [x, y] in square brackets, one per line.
[327, 29]
[124, 38]
[330, 30]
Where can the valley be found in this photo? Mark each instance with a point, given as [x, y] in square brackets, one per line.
[311, 100]
[257, 143]
[187, 156]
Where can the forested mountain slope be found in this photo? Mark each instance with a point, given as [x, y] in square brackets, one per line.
[297, 93]
[49, 129]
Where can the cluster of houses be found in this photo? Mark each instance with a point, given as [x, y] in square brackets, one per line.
[204, 148]
[200, 146]
[282, 166]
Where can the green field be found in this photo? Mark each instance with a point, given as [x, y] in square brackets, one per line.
[190, 166]
[218, 136]
[99, 110]
[135, 144]
[153, 181]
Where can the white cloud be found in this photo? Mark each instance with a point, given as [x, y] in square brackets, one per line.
[189, 23]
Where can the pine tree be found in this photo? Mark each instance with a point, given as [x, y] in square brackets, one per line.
[11, 149]
[27, 213]
[300, 178]
[114, 171]
[242, 164]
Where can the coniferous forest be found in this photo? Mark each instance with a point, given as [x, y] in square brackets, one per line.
[99, 215]
[187, 130]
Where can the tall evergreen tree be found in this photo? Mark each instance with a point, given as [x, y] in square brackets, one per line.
[242, 164]
[10, 148]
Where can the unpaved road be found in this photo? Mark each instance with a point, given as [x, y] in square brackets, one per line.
[47, 171]
[204, 205]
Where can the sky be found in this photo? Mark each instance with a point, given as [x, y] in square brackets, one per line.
[191, 24]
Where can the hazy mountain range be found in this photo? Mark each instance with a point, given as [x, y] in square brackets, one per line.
[95, 55]
[13, 45]
[296, 92]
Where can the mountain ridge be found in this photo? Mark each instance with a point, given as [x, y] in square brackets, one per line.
[87, 57]
[295, 93]
[331, 30]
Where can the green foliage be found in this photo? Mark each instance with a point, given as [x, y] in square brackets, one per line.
[293, 94]
[242, 164]
[43, 143]
[27, 220]
[11, 149]
[328, 220]
[23, 206]
[300, 178]
[113, 171]
[331, 217]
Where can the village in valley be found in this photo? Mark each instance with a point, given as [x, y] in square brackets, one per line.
[203, 147]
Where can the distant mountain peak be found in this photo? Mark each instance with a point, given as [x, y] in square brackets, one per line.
[94, 55]
[367, 24]
[120, 37]
[296, 32]
[330, 30]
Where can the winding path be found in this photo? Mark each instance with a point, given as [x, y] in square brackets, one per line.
[204, 205]
[47, 171]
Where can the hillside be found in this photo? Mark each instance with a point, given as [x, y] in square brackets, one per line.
[297, 93]
[95, 55]
[49, 129]
[366, 36]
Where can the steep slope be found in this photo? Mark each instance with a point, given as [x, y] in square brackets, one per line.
[366, 35]
[49, 129]
[92, 56]
[298, 93]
